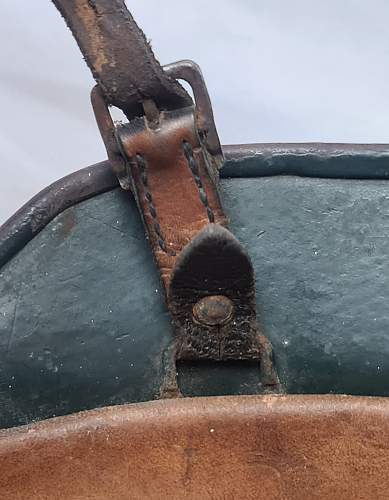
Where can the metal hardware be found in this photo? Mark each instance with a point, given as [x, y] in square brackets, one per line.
[108, 133]
[206, 130]
[190, 72]
[213, 310]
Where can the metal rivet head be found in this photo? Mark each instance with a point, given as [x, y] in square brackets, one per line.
[213, 310]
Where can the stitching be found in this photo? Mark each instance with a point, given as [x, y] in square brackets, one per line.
[141, 162]
[196, 175]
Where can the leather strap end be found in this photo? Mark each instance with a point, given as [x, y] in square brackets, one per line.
[119, 56]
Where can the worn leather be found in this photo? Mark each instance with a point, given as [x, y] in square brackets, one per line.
[119, 56]
[167, 191]
[269, 447]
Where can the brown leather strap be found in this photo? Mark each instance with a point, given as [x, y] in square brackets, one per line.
[119, 56]
[171, 182]
[262, 448]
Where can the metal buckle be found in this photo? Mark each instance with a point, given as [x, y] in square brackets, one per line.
[204, 121]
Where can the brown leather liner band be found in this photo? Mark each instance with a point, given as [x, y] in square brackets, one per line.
[264, 448]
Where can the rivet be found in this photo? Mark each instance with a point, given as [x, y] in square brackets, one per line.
[213, 310]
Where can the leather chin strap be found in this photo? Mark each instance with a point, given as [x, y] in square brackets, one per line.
[171, 183]
[119, 56]
[168, 155]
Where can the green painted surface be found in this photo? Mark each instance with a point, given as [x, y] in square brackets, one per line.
[82, 315]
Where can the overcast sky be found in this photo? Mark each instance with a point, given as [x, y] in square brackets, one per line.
[279, 70]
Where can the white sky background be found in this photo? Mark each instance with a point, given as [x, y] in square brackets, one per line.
[279, 70]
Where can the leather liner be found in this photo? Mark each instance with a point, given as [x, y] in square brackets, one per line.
[262, 447]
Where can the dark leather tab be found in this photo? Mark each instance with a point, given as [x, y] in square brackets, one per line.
[214, 264]
[212, 301]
